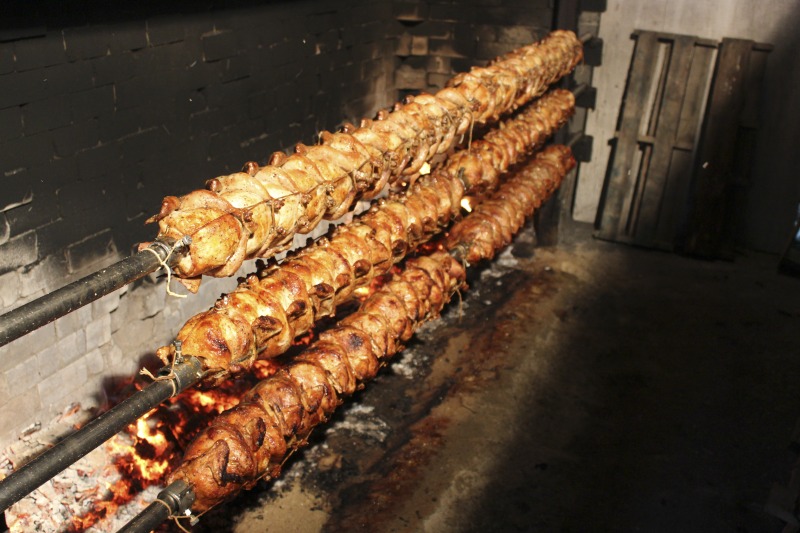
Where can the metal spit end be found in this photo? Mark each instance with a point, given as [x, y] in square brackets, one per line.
[179, 496]
[175, 501]
[161, 248]
[579, 89]
[186, 372]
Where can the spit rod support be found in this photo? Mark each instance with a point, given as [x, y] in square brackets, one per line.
[579, 90]
[32, 475]
[174, 500]
[574, 138]
[60, 302]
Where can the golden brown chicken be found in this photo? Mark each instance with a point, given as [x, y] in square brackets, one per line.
[494, 221]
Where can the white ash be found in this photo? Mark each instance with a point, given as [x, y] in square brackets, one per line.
[493, 272]
[70, 493]
[295, 470]
[278, 484]
[506, 259]
[504, 262]
[73, 492]
[407, 365]
[125, 513]
[361, 420]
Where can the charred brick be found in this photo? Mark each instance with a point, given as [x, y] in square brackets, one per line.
[19, 88]
[92, 103]
[114, 68]
[10, 123]
[97, 161]
[6, 59]
[85, 43]
[19, 251]
[25, 152]
[219, 45]
[410, 10]
[165, 30]
[68, 78]
[127, 36]
[40, 52]
[71, 139]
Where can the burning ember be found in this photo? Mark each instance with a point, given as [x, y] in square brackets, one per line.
[109, 486]
[93, 490]
[362, 293]
[263, 369]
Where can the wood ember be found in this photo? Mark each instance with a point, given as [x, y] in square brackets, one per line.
[76, 491]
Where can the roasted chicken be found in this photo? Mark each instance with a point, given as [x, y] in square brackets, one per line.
[252, 440]
[263, 315]
[494, 221]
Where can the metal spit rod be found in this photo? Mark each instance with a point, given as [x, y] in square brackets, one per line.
[579, 89]
[60, 302]
[174, 500]
[22, 482]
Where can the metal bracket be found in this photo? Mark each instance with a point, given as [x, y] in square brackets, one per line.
[593, 52]
[178, 495]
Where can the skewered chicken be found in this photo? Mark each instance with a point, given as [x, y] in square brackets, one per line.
[252, 440]
[494, 221]
[508, 144]
[257, 212]
[263, 315]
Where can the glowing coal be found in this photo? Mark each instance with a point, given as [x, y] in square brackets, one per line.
[117, 480]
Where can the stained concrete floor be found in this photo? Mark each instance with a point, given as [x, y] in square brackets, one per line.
[587, 387]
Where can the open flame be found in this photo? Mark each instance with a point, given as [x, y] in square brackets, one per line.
[144, 454]
[362, 293]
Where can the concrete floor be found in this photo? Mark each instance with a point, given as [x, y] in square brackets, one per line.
[588, 387]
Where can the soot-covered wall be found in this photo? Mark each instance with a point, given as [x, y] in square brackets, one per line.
[436, 40]
[98, 121]
[104, 111]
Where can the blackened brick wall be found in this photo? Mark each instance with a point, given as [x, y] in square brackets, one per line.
[104, 113]
[438, 38]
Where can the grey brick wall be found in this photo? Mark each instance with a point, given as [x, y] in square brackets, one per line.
[98, 122]
[436, 39]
